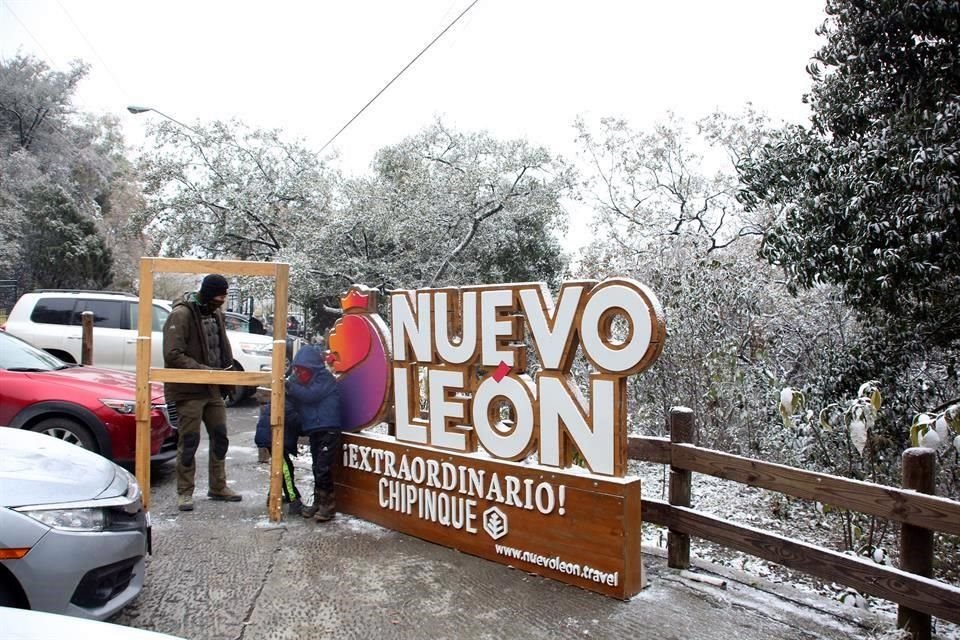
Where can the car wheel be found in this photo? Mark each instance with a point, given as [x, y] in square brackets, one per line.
[9, 597]
[67, 430]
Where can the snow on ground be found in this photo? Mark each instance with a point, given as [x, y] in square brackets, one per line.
[772, 511]
[738, 503]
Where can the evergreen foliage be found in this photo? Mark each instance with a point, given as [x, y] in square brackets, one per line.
[869, 194]
[58, 174]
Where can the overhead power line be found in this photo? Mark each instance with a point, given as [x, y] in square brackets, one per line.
[400, 73]
[106, 67]
[48, 60]
[26, 30]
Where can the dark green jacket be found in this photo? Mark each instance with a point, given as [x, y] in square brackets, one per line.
[185, 347]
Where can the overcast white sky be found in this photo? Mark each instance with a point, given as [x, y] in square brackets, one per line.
[512, 67]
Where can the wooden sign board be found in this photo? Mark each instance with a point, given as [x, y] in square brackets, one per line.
[579, 528]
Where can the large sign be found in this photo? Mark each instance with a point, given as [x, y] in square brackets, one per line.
[522, 469]
[581, 529]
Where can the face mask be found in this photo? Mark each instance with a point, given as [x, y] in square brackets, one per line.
[214, 304]
[302, 374]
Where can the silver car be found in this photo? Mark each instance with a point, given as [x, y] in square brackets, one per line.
[73, 532]
[18, 624]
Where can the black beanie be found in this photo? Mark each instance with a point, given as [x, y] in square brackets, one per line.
[213, 285]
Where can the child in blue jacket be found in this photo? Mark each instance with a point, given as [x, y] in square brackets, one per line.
[291, 434]
[313, 391]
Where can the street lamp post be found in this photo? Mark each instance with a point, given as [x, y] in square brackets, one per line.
[136, 110]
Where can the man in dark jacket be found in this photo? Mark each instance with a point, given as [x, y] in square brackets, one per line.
[195, 337]
[313, 390]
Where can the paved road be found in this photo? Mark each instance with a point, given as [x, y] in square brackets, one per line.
[224, 571]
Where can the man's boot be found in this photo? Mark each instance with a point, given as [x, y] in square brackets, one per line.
[185, 486]
[225, 494]
[295, 508]
[218, 482]
[328, 506]
[184, 502]
[309, 512]
[185, 476]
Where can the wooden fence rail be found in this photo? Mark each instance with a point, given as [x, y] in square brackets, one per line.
[919, 513]
[929, 512]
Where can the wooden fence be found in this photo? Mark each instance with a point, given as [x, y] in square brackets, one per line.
[910, 586]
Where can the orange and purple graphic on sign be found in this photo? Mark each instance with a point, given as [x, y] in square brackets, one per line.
[361, 353]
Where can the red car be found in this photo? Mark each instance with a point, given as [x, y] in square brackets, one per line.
[91, 407]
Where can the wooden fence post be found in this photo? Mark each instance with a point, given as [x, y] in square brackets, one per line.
[86, 342]
[916, 543]
[681, 432]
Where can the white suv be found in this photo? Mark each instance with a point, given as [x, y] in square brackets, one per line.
[50, 320]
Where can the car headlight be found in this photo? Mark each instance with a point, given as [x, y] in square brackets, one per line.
[79, 519]
[257, 348]
[120, 406]
[128, 407]
[124, 484]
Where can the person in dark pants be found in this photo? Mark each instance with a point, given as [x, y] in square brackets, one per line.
[195, 337]
[291, 434]
[256, 326]
[313, 390]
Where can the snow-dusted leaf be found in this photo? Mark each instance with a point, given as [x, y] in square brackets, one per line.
[786, 400]
[930, 439]
[956, 444]
[786, 419]
[858, 435]
[848, 598]
[915, 435]
[790, 401]
[952, 415]
[824, 420]
[942, 429]
[869, 415]
[852, 598]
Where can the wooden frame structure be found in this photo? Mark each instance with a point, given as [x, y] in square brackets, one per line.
[146, 374]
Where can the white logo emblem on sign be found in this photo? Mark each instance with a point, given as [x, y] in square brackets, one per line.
[495, 523]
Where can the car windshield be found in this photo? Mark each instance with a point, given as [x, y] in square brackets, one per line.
[17, 355]
[160, 311]
[236, 322]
